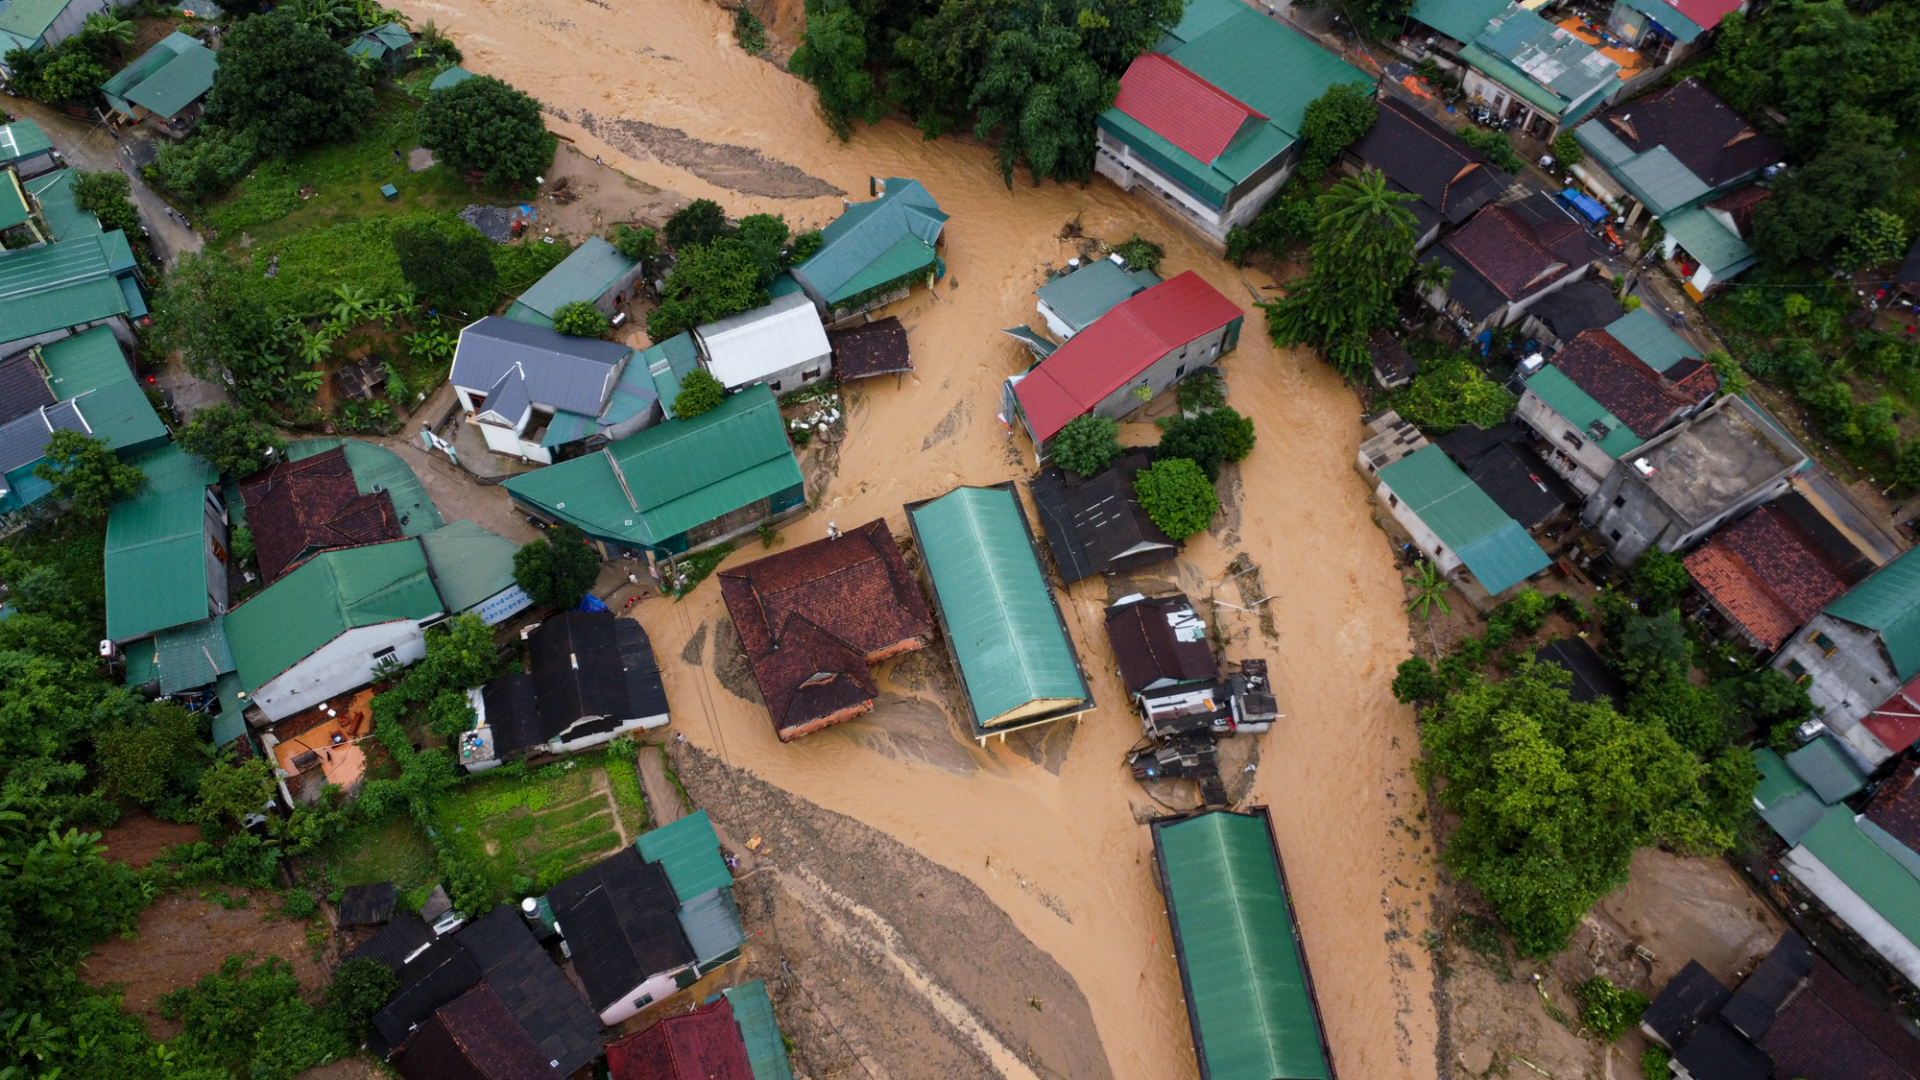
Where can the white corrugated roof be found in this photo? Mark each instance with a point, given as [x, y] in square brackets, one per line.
[747, 347]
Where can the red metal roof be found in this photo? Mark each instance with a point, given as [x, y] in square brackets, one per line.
[1181, 107]
[1707, 13]
[701, 1045]
[1118, 346]
[1896, 723]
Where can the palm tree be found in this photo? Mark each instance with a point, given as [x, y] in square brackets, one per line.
[1430, 586]
[115, 31]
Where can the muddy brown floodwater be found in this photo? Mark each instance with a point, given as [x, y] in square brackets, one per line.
[1046, 828]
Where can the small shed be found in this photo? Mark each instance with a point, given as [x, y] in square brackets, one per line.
[875, 348]
[367, 905]
[782, 345]
[384, 44]
[25, 147]
[360, 379]
[165, 82]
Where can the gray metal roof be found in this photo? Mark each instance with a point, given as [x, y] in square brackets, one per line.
[561, 372]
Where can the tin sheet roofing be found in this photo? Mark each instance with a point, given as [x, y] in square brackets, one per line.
[1703, 236]
[995, 604]
[866, 233]
[470, 563]
[84, 362]
[753, 1011]
[22, 139]
[167, 78]
[583, 276]
[1649, 338]
[1493, 545]
[1181, 107]
[560, 372]
[31, 18]
[155, 565]
[667, 363]
[752, 345]
[1889, 602]
[689, 849]
[1461, 20]
[1875, 876]
[1093, 290]
[325, 597]
[59, 285]
[377, 469]
[1250, 998]
[54, 193]
[193, 655]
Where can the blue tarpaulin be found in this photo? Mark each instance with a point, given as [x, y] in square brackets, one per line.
[592, 603]
[1587, 205]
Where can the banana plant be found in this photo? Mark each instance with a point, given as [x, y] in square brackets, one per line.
[309, 382]
[354, 304]
[430, 344]
[110, 28]
[315, 345]
[383, 309]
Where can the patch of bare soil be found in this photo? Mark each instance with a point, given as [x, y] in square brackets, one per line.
[881, 958]
[737, 168]
[357, 1067]
[182, 938]
[141, 838]
[1510, 1017]
[730, 663]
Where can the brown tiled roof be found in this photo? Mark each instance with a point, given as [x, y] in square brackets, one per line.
[298, 509]
[1830, 1031]
[824, 609]
[1896, 807]
[704, 1044]
[1426, 159]
[1623, 383]
[875, 348]
[1715, 143]
[1507, 253]
[474, 1038]
[1740, 205]
[1767, 574]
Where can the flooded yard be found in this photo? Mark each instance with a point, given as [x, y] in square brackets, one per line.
[1044, 828]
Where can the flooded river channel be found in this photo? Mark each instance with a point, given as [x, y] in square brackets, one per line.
[1046, 828]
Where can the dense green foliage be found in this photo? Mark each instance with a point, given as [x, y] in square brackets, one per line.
[1609, 1010]
[232, 439]
[482, 125]
[642, 245]
[557, 569]
[1334, 121]
[104, 195]
[1362, 254]
[1207, 440]
[701, 221]
[1177, 496]
[286, 86]
[708, 282]
[1286, 221]
[250, 1021]
[1086, 445]
[699, 393]
[748, 31]
[1659, 579]
[85, 473]
[1450, 390]
[581, 319]
[449, 262]
[73, 69]
[1027, 78]
[1140, 253]
[1495, 146]
[207, 163]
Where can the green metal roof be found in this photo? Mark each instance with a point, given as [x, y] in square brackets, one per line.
[31, 18]
[453, 76]
[393, 35]
[165, 79]
[84, 362]
[1777, 782]
[1493, 545]
[121, 414]
[143, 662]
[585, 275]
[1579, 409]
[871, 241]
[712, 925]
[376, 467]
[470, 563]
[230, 724]
[1461, 20]
[1648, 337]
[657, 484]
[689, 849]
[155, 566]
[64, 218]
[1659, 179]
[1873, 875]
[1093, 290]
[193, 655]
[1716, 247]
[323, 598]
[13, 201]
[1683, 29]
[997, 608]
[1889, 602]
[1248, 995]
[22, 139]
[667, 363]
[753, 1013]
[55, 286]
[1533, 56]
[1826, 769]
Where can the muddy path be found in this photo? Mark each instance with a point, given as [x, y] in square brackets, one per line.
[1045, 828]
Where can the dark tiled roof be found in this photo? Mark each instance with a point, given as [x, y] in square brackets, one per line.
[1689, 1000]
[1709, 138]
[1428, 160]
[1896, 807]
[809, 618]
[433, 978]
[575, 660]
[1096, 525]
[513, 714]
[1768, 575]
[875, 348]
[1505, 465]
[1583, 305]
[1147, 648]
[476, 1036]
[619, 919]
[1832, 1032]
[1740, 204]
[1592, 679]
[1752, 1008]
[298, 509]
[1720, 1052]
[646, 693]
[395, 941]
[22, 388]
[1647, 400]
[1390, 358]
[1504, 251]
[367, 905]
[548, 1007]
[701, 1045]
[1843, 553]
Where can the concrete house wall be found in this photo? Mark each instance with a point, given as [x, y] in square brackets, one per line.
[118, 324]
[1578, 459]
[1171, 368]
[343, 664]
[68, 22]
[1444, 559]
[502, 439]
[1846, 686]
[1114, 160]
[1634, 518]
[216, 546]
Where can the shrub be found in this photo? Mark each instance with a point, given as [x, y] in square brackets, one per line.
[231, 439]
[1659, 579]
[1608, 1009]
[84, 472]
[209, 162]
[642, 245]
[1567, 150]
[804, 245]
[1208, 439]
[299, 904]
[1086, 445]
[1451, 391]
[450, 264]
[1333, 121]
[557, 569]
[1201, 390]
[1494, 146]
[699, 393]
[701, 222]
[1177, 495]
[104, 195]
[1140, 253]
[358, 990]
[581, 319]
[748, 31]
[1414, 680]
[1653, 1063]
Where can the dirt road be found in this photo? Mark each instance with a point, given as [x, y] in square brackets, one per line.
[1045, 829]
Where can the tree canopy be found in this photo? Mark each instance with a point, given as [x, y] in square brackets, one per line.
[708, 282]
[581, 319]
[1207, 440]
[1177, 496]
[451, 265]
[699, 393]
[86, 473]
[1362, 254]
[1334, 121]
[286, 86]
[1086, 445]
[557, 569]
[483, 125]
[231, 439]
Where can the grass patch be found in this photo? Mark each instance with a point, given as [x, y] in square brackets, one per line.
[567, 815]
[520, 830]
[1481, 936]
[689, 570]
[623, 777]
[393, 851]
